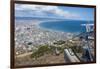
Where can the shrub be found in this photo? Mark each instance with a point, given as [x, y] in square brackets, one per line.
[60, 42]
[41, 51]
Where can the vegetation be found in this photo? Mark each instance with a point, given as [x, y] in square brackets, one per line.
[45, 49]
[60, 42]
[30, 43]
[41, 51]
[77, 49]
[50, 49]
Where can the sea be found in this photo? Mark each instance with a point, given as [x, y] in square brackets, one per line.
[64, 25]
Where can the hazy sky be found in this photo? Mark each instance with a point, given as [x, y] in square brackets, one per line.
[44, 11]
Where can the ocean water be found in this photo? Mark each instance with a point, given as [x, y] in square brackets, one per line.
[65, 25]
[59, 25]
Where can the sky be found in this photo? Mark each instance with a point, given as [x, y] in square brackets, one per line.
[57, 12]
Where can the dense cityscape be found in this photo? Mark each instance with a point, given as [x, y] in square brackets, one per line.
[31, 38]
[29, 35]
[53, 34]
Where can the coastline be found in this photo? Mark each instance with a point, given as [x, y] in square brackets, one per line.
[52, 30]
[31, 32]
[30, 36]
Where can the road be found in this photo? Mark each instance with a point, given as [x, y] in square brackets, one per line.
[23, 55]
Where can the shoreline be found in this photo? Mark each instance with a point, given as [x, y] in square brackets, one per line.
[35, 35]
[52, 30]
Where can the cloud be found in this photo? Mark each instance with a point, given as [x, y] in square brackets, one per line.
[43, 11]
